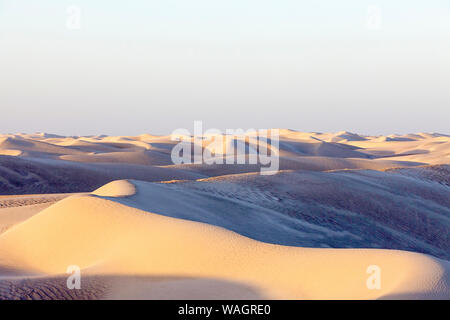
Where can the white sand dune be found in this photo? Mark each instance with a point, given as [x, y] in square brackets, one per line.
[111, 240]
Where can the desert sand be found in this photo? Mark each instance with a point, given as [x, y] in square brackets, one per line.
[140, 227]
[46, 163]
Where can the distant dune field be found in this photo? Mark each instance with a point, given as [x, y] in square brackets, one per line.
[140, 227]
[44, 163]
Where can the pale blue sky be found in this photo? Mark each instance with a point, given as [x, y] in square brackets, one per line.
[154, 66]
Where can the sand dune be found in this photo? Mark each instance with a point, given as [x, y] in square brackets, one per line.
[29, 175]
[341, 202]
[147, 157]
[107, 238]
[15, 209]
[346, 209]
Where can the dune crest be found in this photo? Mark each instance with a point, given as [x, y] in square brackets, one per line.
[120, 188]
